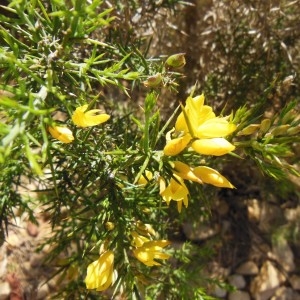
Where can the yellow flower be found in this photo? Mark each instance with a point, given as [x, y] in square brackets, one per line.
[196, 113]
[198, 122]
[176, 190]
[145, 229]
[138, 240]
[144, 180]
[175, 146]
[185, 172]
[201, 174]
[100, 272]
[211, 176]
[215, 146]
[83, 118]
[61, 133]
[150, 251]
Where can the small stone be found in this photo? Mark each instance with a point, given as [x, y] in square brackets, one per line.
[236, 280]
[285, 293]
[271, 215]
[43, 291]
[292, 214]
[219, 292]
[247, 268]
[295, 282]
[254, 210]
[239, 295]
[266, 282]
[4, 290]
[284, 255]
[32, 229]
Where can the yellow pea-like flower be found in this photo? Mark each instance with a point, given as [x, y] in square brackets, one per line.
[214, 146]
[138, 240]
[185, 171]
[197, 122]
[100, 272]
[150, 251]
[83, 118]
[145, 229]
[177, 145]
[211, 176]
[61, 133]
[176, 190]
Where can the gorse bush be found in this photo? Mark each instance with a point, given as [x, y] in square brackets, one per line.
[113, 176]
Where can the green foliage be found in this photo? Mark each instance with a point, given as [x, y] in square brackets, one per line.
[270, 142]
[57, 56]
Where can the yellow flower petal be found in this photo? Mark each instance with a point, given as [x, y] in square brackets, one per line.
[176, 190]
[63, 134]
[214, 146]
[211, 176]
[100, 272]
[138, 240]
[150, 251]
[144, 180]
[195, 112]
[214, 128]
[185, 172]
[175, 146]
[83, 118]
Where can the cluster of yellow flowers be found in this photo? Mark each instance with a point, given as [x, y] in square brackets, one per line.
[100, 272]
[81, 118]
[196, 128]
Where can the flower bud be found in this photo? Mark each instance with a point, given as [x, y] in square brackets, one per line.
[265, 126]
[109, 226]
[61, 133]
[252, 128]
[176, 60]
[288, 117]
[293, 130]
[145, 229]
[153, 81]
[280, 130]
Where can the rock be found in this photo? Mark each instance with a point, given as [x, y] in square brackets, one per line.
[4, 290]
[271, 216]
[284, 255]
[254, 210]
[247, 268]
[266, 282]
[42, 292]
[15, 286]
[236, 280]
[295, 282]
[285, 293]
[32, 229]
[292, 214]
[239, 295]
[219, 292]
